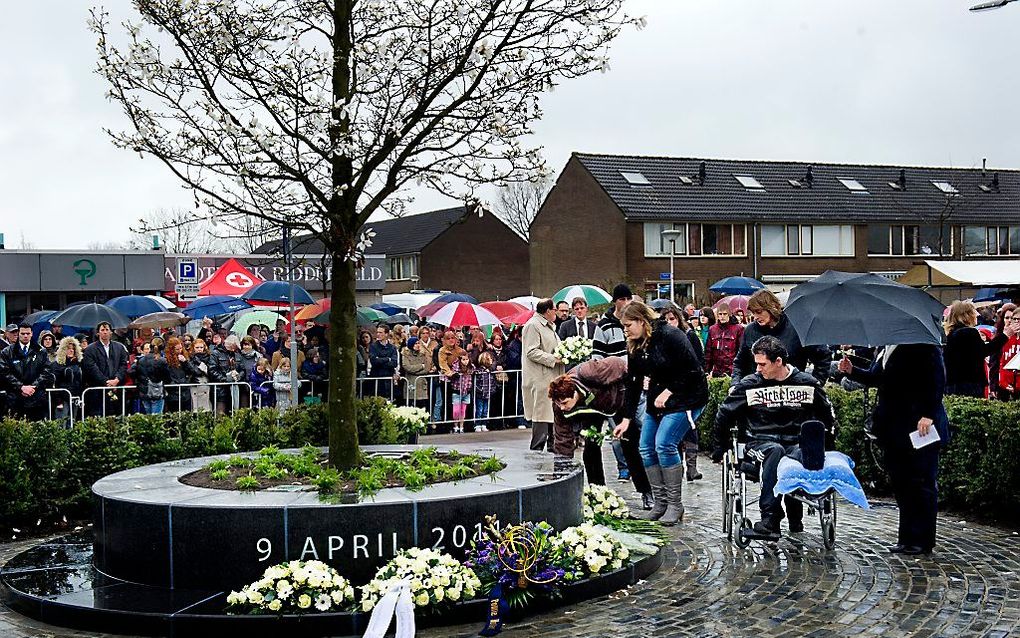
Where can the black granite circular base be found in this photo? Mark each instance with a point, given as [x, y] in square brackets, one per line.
[56, 583]
[152, 529]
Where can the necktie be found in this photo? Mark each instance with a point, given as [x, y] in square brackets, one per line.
[582, 328]
[24, 350]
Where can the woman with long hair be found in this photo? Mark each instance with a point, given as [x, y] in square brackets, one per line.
[1003, 317]
[67, 375]
[180, 372]
[661, 356]
[965, 351]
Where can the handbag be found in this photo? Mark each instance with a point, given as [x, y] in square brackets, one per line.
[154, 391]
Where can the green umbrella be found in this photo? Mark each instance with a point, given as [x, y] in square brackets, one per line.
[266, 318]
[367, 316]
[592, 294]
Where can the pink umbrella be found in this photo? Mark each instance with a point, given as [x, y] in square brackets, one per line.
[519, 319]
[459, 314]
[735, 302]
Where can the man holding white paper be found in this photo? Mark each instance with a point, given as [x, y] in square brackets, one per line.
[911, 425]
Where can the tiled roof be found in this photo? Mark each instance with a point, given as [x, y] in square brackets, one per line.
[398, 236]
[724, 198]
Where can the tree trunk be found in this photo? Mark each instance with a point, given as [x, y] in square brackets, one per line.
[343, 333]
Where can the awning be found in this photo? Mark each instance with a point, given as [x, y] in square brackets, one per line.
[229, 279]
[975, 274]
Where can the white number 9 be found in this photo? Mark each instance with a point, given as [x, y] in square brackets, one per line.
[265, 547]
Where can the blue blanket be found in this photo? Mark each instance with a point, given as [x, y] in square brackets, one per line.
[838, 474]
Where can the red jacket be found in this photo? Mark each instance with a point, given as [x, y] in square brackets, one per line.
[721, 347]
[1009, 377]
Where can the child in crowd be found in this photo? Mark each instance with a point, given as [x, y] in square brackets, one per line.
[461, 385]
[281, 384]
[261, 380]
[485, 386]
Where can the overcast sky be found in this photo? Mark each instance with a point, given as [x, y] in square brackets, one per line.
[876, 81]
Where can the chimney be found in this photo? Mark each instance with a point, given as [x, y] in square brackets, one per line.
[984, 165]
[809, 179]
[903, 179]
[701, 174]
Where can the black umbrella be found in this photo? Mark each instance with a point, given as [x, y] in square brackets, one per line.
[399, 318]
[661, 304]
[863, 309]
[87, 316]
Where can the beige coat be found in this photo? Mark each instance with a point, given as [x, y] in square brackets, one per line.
[538, 368]
[414, 365]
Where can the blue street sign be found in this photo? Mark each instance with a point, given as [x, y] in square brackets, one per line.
[664, 276]
[664, 290]
[187, 271]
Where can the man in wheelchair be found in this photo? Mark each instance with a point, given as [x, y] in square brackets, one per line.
[772, 403]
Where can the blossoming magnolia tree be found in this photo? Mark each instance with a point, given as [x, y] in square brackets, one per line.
[314, 114]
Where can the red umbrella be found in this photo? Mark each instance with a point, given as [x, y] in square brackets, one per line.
[735, 302]
[519, 319]
[503, 309]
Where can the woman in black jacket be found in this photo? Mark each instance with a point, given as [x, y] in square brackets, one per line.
[770, 320]
[660, 357]
[965, 352]
[179, 372]
[675, 318]
[67, 375]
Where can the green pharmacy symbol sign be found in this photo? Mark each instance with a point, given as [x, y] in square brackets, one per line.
[84, 268]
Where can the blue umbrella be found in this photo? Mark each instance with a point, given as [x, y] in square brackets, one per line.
[454, 296]
[277, 292]
[388, 308]
[215, 305]
[993, 294]
[736, 286]
[134, 306]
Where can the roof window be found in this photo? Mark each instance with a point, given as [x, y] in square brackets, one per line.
[945, 187]
[686, 181]
[853, 185]
[796, 183]
[750, 183]
[635, 178]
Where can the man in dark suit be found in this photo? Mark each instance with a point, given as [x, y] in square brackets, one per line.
[24, 370]
[579, 324]
[910, 380]
[104, 363]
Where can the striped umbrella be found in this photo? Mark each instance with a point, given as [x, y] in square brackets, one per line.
[459, 314]
[310, 312]
[592, 294]
[366, 316]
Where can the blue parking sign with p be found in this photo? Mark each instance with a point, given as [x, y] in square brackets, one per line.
[187, 271]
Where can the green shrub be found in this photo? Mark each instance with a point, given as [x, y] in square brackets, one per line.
[47, 471]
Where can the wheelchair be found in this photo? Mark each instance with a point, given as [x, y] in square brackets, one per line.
[738, 470]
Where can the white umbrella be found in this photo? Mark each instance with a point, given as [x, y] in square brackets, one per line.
[527, 301]
[166, 303]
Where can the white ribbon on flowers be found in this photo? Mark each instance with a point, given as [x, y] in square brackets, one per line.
[397, 601]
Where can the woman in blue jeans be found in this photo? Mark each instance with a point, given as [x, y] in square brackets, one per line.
[661, 360]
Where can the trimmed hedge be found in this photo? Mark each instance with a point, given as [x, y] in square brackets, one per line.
[47, 470]
[979, 471]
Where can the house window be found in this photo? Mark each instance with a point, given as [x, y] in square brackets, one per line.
[404, 267]
[635, 178]
[750, 183]
[696, 239]
[807, 239]
[853, 185]
[991, 240]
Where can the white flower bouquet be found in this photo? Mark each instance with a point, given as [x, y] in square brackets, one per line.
[574, 350]
[590, 549]
[294, 587]
[601, 502]
[435, 579]
[410, 420]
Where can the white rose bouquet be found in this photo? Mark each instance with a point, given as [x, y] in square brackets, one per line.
[588, 550]
[574, 350]
[294, 587]
[601, 503]
[435, 578]
[410, 420]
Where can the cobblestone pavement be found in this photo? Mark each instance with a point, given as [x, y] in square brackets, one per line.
[708, 587]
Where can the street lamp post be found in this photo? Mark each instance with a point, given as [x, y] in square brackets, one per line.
[672, 234]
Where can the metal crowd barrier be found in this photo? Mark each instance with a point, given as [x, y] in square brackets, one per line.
[437, 399]
[73, 403]
[119, 393]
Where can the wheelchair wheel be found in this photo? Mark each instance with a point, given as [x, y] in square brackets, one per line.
[727, 499]
[741, 538]
[827, 518]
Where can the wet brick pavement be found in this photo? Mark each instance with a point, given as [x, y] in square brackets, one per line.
[707, 587]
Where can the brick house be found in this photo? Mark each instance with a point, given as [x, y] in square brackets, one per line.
[450, 249]
[781, 222]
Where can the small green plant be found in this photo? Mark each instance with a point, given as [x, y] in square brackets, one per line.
[491, 465]
[276, 473]
[220, 475]
[269, 451]
[238, 461]
[217, 465]
[462, 471]
[248, 483]
[328, 481]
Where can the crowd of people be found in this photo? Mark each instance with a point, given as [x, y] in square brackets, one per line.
[156, 372]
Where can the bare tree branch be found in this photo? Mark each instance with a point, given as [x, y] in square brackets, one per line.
[518, 203]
